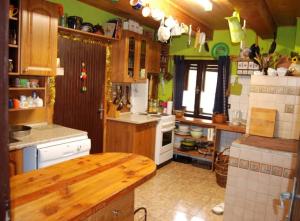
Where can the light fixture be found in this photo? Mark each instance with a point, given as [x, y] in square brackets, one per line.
[206, 4]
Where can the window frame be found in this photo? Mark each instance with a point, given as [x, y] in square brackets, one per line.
[202, 67]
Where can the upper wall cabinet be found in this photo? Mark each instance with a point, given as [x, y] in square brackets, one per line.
[153, 59]
[132, 56]
[39, 37]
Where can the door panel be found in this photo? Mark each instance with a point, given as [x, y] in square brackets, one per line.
[74, 108]
[4, 177]
[39, 37]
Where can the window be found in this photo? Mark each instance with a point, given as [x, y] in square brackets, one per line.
[200, 88]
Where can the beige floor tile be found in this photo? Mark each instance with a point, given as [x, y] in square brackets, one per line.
[180, 192]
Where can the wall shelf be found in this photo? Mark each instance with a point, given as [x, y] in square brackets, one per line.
[74, 32]
[24, 109]
[13, 18]
[26, 89]
[13, 73]
[13, 46]
[194, 154]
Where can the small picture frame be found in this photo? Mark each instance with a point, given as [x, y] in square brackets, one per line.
[245, 64]
[255, 66]
[250, 72]
[245, 72]
[250, 65]
[240, 65]
[239, 72]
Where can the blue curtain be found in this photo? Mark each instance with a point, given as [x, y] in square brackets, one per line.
[179, 81]
[221, 98]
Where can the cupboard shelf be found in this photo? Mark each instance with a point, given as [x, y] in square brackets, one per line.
[71, 31]
[13, 73]
[194, 154]
[203, 138]
[13, 46]
[24, 109]
[13, 18]
[26, 89]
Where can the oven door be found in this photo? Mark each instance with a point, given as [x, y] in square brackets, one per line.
[167, 139]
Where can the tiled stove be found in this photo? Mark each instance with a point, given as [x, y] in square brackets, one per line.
[259, 171]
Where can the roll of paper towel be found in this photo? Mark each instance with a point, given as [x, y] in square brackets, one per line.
[169, 107]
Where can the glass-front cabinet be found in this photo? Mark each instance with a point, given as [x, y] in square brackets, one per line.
[143, 56]
[132, 57]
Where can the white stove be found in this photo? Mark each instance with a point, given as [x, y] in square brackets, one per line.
[164, 140]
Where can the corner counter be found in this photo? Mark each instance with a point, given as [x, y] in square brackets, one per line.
[259, 170]
[134, 118]
[95, 187]
[44, 134]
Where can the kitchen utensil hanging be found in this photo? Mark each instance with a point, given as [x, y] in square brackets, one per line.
[202, 40]
[236, 32]
[236, 88]
[273, 45]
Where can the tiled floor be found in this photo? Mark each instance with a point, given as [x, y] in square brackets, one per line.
[180, 192]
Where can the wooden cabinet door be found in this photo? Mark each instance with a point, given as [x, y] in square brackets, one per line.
[142, 54]
[144, 139]
[15, 162]
[126, 58]
[153, 59]
[121, 209]
[39, 37]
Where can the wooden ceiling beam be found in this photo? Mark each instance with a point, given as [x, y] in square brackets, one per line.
[257, 15]
[123, 9]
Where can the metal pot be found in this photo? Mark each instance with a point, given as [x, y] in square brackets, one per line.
[74, 22]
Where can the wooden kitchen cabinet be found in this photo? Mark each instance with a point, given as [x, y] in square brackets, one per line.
[121, 209]
[38, 37]
[153, 59]
[125, 61]
[131, 138]
[15, 162]
[133, 57]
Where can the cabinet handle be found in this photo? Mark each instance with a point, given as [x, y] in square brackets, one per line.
[116, 212]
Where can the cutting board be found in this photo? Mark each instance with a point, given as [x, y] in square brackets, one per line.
[262, 122]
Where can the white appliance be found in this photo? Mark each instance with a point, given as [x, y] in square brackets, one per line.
[164, 141]
[50, 153]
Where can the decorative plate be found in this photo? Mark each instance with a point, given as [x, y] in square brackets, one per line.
[220, 49]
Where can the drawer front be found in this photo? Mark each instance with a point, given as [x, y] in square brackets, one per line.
[120, 209]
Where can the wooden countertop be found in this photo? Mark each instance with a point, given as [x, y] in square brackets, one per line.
[277, 144]
[209, 123]
[75, 189]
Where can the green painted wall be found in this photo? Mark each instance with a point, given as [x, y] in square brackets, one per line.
[286, 38]
[88, 13]
[297, 44]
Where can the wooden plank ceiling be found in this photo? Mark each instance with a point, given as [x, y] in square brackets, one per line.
[263, 16]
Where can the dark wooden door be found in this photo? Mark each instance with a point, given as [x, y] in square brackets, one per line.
[4, 178]
[73, 108]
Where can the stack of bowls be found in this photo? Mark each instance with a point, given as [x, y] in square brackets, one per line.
[183, 129]
[196, 132]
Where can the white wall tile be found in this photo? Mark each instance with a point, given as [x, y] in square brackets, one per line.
[291, 81]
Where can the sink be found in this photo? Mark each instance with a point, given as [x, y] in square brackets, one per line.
[12, 140]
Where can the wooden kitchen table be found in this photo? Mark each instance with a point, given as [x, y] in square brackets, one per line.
[94, 187]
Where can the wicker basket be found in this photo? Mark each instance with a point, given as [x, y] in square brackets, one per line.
[221, 168]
